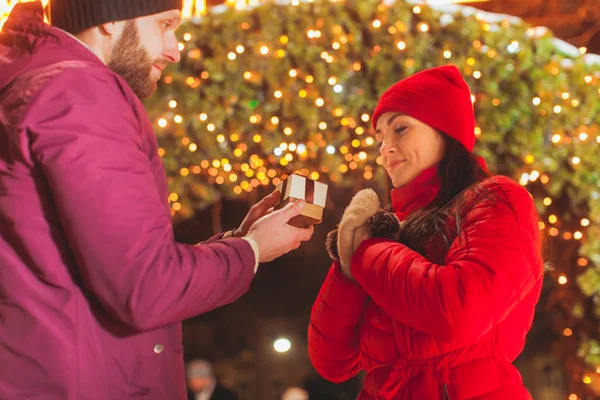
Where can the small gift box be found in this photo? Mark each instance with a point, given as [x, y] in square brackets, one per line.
[313, 192]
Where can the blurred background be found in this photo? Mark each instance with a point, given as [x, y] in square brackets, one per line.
[269, 88]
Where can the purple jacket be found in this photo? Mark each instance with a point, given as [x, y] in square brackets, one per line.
[93, 287]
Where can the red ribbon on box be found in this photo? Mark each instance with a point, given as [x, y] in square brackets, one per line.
[309, 194]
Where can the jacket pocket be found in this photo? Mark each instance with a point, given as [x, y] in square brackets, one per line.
[446, 392]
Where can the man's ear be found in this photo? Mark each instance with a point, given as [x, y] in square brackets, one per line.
[111, 28]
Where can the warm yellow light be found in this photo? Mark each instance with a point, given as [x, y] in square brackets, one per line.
[552, 219]
[547, 201]
[567, 332]
[562, 280]
[556, 138]
[587, 380]
[541, 226]
[423, 27]
[585, 222]
[536, 101]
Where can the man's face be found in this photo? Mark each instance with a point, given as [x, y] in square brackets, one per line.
[144, 49]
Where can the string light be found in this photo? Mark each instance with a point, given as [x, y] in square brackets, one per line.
[567, 332]
[585, 222]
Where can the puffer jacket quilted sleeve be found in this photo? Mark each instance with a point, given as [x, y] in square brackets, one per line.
[333, 344]
[489, 268]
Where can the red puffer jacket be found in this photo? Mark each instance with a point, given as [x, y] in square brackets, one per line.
[448, 330]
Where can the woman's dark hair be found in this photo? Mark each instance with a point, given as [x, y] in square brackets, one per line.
[459, 170]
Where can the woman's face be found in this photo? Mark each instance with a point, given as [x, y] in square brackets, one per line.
[408, 146]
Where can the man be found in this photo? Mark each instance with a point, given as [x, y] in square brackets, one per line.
[202, 383]
[92, 284]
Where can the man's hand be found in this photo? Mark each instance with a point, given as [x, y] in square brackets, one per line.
[259, 210]
[274, 236]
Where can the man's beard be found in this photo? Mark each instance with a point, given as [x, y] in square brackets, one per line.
[129, 59]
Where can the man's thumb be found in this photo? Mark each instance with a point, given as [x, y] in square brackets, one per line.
[291, 210]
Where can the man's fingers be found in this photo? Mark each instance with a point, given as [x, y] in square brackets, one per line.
[303, 234]
[272, 199]
[307, 234]
[264, 206]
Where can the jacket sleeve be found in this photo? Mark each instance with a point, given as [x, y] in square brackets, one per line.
[85, 137]
[333, 345]
[493, 264]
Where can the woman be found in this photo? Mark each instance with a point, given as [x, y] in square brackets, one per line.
[443, 313]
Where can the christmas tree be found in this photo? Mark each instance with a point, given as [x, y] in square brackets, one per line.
[266, 92]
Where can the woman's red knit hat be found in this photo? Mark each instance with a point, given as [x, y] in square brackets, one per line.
[438, 97]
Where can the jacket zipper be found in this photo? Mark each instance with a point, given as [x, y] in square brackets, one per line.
[446, 392]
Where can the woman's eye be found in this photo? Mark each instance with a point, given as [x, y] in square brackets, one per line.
[401, 129]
